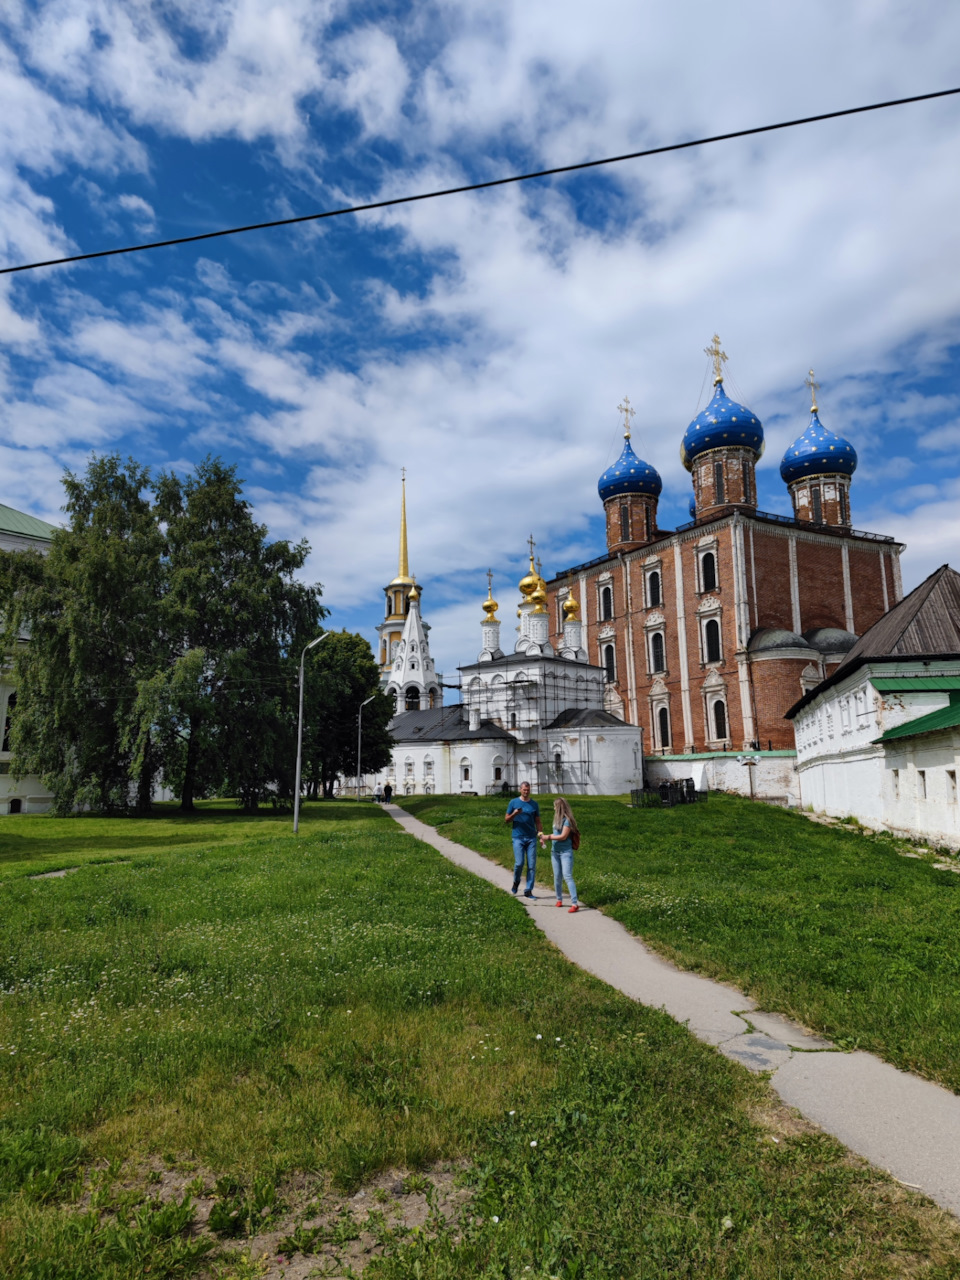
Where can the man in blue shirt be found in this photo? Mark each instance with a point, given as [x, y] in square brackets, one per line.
[524, 816]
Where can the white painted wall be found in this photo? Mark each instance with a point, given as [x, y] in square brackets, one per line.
[774, 778]
[843, 772]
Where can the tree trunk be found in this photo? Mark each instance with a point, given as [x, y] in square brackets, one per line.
[190, 768]
[145, 782]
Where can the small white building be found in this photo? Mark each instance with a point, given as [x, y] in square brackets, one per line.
[879, 739]
[19, 532]
[535, 715]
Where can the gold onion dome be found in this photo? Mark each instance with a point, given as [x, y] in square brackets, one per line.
[490, 607]
[539, 597]
[529, 584]
[571, 609]
[414, 592]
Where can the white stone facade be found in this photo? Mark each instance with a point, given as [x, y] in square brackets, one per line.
[906, 785]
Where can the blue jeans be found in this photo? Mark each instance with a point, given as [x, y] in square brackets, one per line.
[563, 870]
[525, 851]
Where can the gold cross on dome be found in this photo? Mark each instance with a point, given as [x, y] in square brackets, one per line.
[490, 582]
[718, 356]
[628, 412]
[811, 382]
[531, 544]
[539, 567]
[403, 473]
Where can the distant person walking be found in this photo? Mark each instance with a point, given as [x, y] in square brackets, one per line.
[387, 793]
[378, 794]
[524, 816]
[565, 832]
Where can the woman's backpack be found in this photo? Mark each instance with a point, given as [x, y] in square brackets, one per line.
[575, 839]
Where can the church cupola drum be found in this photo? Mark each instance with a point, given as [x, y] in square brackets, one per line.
[721, 448]
[630, 490]
[817, 469]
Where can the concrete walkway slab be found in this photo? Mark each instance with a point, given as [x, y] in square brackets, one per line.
[906, 1125]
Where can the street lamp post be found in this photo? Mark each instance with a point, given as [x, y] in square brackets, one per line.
[296, 787]
[359, 722]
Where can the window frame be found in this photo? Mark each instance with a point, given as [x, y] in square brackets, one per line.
[656, 634]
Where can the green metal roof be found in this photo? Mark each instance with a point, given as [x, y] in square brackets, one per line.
[27, 526]
[914, 684]
[944, 718]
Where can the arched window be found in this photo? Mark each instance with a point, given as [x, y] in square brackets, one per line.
[653, 589]
[413, 700]
[609, 663]
[11, 703]
[646, 521]
[711, 636]
[657, 661]
[718, 494]
[817, 504]
[624, 523]
[465, 770]
[663, 723]
[708, 572]
[719, 719]
[606, 604]
[513, 719]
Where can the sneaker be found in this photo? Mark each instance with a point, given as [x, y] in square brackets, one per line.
[575, 907]
[528, 895]
[516, 886]
[559, 903]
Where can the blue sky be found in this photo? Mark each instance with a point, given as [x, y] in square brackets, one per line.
[481, 341]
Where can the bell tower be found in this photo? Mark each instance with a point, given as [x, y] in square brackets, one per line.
[397, 593]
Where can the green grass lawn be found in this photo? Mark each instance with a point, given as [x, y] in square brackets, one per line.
[832, 927]
[280, 1018]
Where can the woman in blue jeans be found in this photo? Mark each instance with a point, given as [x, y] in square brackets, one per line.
[564, 827]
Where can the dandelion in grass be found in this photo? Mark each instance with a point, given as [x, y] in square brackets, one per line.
[539, 1036]
[533, 1143]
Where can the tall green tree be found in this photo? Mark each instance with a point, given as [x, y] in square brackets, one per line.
[155, 639]
[340, 675]
[91, 609]
[233, 613]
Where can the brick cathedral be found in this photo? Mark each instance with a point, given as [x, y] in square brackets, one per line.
[708, 633]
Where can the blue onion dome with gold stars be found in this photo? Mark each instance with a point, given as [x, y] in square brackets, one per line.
[722, 424]
[818, 452]
[629, 474]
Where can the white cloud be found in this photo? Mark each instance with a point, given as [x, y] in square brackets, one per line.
[140, 210]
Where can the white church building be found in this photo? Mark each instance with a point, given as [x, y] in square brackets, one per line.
[879, 739]
[535, 714]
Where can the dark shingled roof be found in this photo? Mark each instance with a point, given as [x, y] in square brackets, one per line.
[574, 719]
[442, 724]
[925, 624]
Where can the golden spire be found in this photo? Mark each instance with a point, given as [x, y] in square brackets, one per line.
[811, 382]
[490, 605]
[718, 356]
[403, 578]
[628, 412]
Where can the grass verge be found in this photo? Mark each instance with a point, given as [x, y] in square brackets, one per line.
[286, 1015]
[829, 926]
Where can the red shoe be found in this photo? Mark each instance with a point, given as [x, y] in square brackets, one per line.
[575, 907]
[559, 903]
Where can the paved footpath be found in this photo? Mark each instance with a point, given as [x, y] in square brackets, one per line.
[906, 1125]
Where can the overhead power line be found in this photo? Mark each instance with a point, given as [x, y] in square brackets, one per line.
[482, 186]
